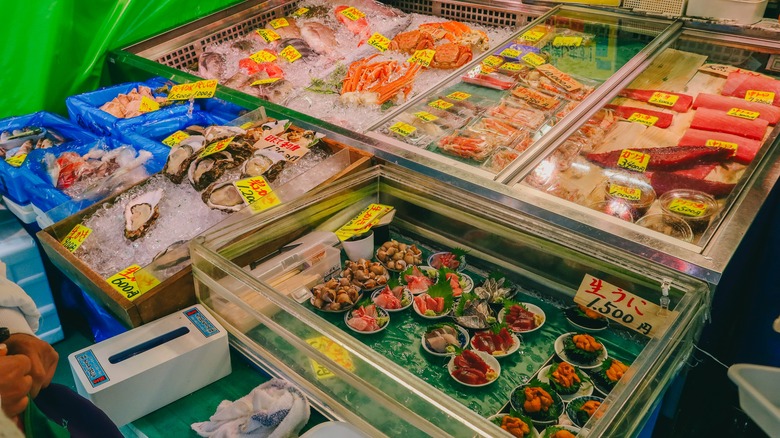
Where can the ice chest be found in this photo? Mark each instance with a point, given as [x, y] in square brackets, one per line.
[144, 369]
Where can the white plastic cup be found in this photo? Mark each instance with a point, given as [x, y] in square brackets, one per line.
[360, 249]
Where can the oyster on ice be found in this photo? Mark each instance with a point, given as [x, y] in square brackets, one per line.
[180, 157]
[140, 213]
[257, 165]
[223, 196]
[205, 170]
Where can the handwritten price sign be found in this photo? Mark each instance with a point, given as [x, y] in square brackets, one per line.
[423, 57]
[148, 105]
[16, 160]
[262, 56]
[290, 54]
[743, 113]
[722, 144]
[175, 138]
[279, 22]
[688, 207]
[633, 160]
[458, 95]
[563, 41]
[623, 307]
[216, 147]
[379, 42]
[532, 36]
[205, 89]
[534, 59]
[300, 12]
[268, 35]
[361, 223]
[353, 13]
[510, 53]
[440, 104]
[629, 193]
[200, 89]
[402, 129]
[257, 193]
[663, 99]
[334, 352]
[425, 116]
[493, 61]
[512, 66]
[766, 97]
[132, 282]
[76, 237]
[644, 119]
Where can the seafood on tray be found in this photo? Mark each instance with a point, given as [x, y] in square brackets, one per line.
[445, 338]
[365, 274]
[467, 144]
[397, 256]
[418, 279]
[376, 82]
[19, 142]
[473, 368]
[392, 299]
[498, 342]
[125, 106]
[367, 318]
[474, 312]
[335, 295]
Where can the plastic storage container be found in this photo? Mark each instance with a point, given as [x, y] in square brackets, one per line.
[759, 394]
[740, 11]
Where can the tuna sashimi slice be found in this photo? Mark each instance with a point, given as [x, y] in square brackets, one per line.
[746, 148]
[681, 105]
[740, 82]
[724, 103]
[667, 158]
[719, 121]
[625, 112]
[662, 182]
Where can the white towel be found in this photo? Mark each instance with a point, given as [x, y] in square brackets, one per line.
[275, 409]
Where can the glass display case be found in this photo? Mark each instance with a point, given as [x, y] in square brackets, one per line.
[250, 272]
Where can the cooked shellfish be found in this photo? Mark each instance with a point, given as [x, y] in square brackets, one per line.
[140, 212]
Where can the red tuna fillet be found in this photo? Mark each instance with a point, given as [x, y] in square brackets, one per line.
[724, 103]
[719, 121]
[740, 82]
[668, 158]
[682, 104]
[662, 182]
[625, 112]
[746, 148]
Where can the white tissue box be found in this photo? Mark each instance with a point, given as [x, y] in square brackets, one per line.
[144, 369]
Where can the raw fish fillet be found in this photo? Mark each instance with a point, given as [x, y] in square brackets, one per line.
[724, 103]
[668, 158]
[625, 112]
[682, 104]
[719, 121]
[740, 81]
[746, 148]
[698, 172]
[662, 182]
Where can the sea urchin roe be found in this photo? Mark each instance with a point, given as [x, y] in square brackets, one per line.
[515, 426]
[562, 433]
[536, 399]
[590, 407]
[587, 343]
[565, 375]
[590, 313]
[616, 370]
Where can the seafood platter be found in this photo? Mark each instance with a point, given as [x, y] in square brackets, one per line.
[466, 357]
[210, 170]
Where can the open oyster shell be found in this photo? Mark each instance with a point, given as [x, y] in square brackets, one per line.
[141, 212]
[223, 196]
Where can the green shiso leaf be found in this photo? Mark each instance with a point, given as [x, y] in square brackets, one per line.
[495, 275]
[464, 298]
[460, 252]
[393, 282]
[442, 289]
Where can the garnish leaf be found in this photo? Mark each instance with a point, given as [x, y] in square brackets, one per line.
[496, 328]
[464, 298]
[393, 282]
[495, 275]
[444, 290]
[460, 252]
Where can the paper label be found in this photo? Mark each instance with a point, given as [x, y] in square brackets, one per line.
[300, 12]
[766, 97]
[353, 13]
[624, 307]
[76, 237]
[148, 105]
[361, 223]
[510, 53]
[379, 42]
[440, 104]
[688, 207]
[570, 41]
[205, 89]
[565, 81]
[743, 113]
[265, 81]
[423, 57]
[268, 35]
[288, 150]
[486, 69]
[633, 160]
[334, 352]
[16, 160]
[534, 59]
[403, 129]
[512, 66]
[257, 193]
[247, 125]
[262, 56]
[132, 282]
[458, 95]
[425, 116]
[663, 99]
[175, 138]
[644, 119]
[279, 22]
[196, 90]
[722, 144]
[181, 91]
[535, 98]
[492, 61]
[215, 147]
[629, 193]
[533, 36]
[290, 54]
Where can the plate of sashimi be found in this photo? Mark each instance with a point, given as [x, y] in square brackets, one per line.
[417, 279]
[445, 339]
[498, 343]
[392, 299]
[367, 318]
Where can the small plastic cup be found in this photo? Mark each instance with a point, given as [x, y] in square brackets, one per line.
[667, 224]
[618, 208]
[694, 207]
[640, 196]
[362, 248]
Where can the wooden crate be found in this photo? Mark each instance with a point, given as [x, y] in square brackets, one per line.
[175, 292]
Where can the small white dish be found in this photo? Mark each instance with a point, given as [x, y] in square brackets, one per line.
[491, 362]
[406, 295]
[533, 434]
[550, 430]
[382, 313]
[444, 314]
[463, 337]
[536, 310]
[559, 350]
[577, 401]
[512, 350]
[461, 261]
[586, 386]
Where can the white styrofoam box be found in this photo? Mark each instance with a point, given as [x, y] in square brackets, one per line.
[25, 213]
[739, 11]
[43, 219]
[144, 369]
[759, 394]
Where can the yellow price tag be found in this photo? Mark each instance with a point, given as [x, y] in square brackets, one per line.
[510, 53]
[512, 66]
[534, 59]
[425, 116]
[300, 12]
[268, 35]
[265, 81]
[205, 89]
[644, 119]
[440, 104]
[493, 61]
[175, 138]
[290, 54]
[664, 99]
[532, 36]
[722, 144]
[564, 41]
[353, 13]
[361, 223]
[262, 56]
[485, 69]
[254, 189]
[743, 113]
[767, 97]
[148, 105]
[16, 160]
[247, 125]
[279, 22]
[76, 237]
[216, 147]
[688, 207]
[629, 193]
[181, 91]
[379, 42]
[423, 57]
[403, 129]
[633, 160]
[333, 351]
[458, 95]
[132, 282]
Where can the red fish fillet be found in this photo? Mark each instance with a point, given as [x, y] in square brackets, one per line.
[359, 27]
[746, 148]
[682, 104]
[668, 158]
[724, 103]
[662, 182]
[719, 121]
[625, 112]
[740, 82]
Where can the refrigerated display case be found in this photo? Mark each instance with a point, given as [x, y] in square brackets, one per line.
[386, 383]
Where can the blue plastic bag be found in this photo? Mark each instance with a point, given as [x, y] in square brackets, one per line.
[12, 183]
[155, 131]
[84, 109]
[222, 108]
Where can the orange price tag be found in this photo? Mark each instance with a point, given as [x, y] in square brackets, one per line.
[688, 207]
[644, 119]
[629, 193]
[766, 97]
[216, 147]
[175, 138]
[633, 160]
[334, 352]
[743, 113]
[76, 237]
[664, 99]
